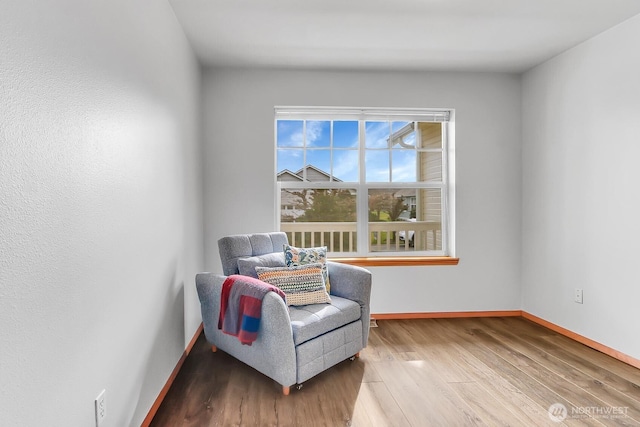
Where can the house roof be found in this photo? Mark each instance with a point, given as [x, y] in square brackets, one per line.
[287, 175]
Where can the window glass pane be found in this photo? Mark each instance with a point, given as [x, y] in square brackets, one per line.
[289, 133]
[345, 165]
[403, 135]
[345, 134]
[409, 140]
[390, 219]
[404, 165]
[293, 203]
[376, 134]
[429, 210]
[396, 126]
[320, 218]
[377, 166]
[291, 160]
[389, 204]
[405, 220]
[430, 135]
[430, 168]
[321, 162]
[318, 133]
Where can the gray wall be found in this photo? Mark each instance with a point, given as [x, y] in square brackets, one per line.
[239, 172]
[580, 183]
[102, 201]
[100, 208]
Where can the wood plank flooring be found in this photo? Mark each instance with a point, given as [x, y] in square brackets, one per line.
[423, 372]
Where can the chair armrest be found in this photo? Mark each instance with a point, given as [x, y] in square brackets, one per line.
[354, 283]
[273, 353]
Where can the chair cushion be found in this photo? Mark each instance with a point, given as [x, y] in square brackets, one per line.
[319, 354]
[311, 321]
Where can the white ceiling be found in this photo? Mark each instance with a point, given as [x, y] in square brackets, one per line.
[465, 35]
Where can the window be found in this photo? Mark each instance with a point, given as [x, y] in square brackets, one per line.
[365, 182]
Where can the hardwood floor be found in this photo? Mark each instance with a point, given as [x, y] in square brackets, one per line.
[423, 372]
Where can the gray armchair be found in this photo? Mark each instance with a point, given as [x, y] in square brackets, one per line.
[294, 343]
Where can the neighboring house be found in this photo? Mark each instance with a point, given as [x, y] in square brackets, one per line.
[313, 174]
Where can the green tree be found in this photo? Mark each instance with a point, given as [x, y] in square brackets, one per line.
[330, 206]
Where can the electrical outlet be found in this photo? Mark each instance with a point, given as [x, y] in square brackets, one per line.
[101, 407]
[577, 296]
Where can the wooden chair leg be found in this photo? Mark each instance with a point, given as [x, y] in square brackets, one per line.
[214, 348]
[286, 390]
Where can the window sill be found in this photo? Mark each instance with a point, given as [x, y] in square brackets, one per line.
[398, 261]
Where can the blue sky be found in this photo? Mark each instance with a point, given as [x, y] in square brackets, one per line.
[345, 149]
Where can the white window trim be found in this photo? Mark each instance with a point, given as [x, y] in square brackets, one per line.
[444, 115]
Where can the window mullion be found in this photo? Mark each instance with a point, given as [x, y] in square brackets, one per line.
[445, 189]
[304, 150]
[362, 227]
[331, 176]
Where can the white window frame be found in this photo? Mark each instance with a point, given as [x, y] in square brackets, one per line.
[362, 115]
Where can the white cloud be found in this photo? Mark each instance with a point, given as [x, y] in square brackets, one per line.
[345, 165]
[404, 173]
[289, 133]
[314, 132]
[377, 134]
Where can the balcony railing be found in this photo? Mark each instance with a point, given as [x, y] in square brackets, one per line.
[383, 236]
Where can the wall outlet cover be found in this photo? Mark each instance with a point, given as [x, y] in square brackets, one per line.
[101, 407]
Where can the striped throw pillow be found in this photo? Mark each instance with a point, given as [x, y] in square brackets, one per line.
[301, 285]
